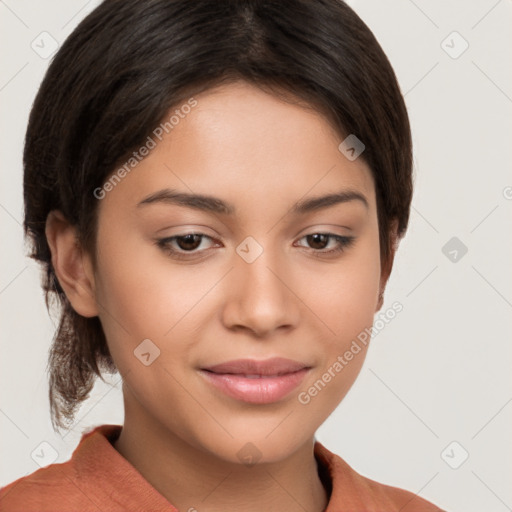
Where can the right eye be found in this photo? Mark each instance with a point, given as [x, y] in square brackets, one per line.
[183, 246]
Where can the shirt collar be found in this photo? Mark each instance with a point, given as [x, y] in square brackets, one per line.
[96, 455]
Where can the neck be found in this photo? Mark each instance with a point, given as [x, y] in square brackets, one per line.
[196, 480]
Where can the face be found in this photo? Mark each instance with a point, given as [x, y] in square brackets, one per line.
[259, 272]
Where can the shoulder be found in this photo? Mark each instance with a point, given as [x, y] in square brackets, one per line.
[42, 490]
[76, 484]
[351, 491]
[402, 500]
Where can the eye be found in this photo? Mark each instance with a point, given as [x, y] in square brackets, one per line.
[183, 246]
[319, 241]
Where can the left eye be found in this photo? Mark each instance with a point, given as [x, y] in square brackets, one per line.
[322, 239]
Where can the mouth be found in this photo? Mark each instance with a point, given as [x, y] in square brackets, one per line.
[256, 382]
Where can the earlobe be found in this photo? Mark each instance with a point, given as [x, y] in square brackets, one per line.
[69, 263]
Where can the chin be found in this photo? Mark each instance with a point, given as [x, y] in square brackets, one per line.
[256, 446]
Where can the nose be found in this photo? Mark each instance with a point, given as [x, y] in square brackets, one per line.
[260, 297]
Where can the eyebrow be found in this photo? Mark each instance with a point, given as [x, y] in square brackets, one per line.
[215, 205]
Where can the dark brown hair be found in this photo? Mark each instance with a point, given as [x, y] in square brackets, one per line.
[129, 62]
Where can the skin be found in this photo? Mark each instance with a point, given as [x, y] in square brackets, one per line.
[262, 155]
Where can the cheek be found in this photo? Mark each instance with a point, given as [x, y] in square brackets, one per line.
[344, 295]
[144, 295]
[344, 299]
[140, 294]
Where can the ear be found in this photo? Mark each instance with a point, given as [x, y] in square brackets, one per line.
[72, 266]
[386, 269]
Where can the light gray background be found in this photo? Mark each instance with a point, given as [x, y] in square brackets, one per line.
[440, 371]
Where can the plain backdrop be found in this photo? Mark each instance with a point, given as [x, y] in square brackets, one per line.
[436, 386]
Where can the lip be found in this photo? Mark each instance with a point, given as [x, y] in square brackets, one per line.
[257, 382]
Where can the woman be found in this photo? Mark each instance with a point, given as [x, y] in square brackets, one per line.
[216, 191]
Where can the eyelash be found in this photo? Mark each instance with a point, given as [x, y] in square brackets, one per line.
[344, 242]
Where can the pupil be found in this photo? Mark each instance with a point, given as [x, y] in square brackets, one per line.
[189, 239]
[317, 238]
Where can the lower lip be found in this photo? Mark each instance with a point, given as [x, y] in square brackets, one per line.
[264, 390]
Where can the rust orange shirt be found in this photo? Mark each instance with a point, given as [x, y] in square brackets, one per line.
[99, 479]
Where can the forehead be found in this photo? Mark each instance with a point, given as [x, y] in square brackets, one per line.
[241, 143]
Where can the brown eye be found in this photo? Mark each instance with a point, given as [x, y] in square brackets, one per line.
[317, 240]
[188, 245]
[188, 242]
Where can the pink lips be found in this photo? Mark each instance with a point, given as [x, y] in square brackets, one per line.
[257, 382]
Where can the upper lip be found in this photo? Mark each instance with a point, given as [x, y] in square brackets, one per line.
[273, 366]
